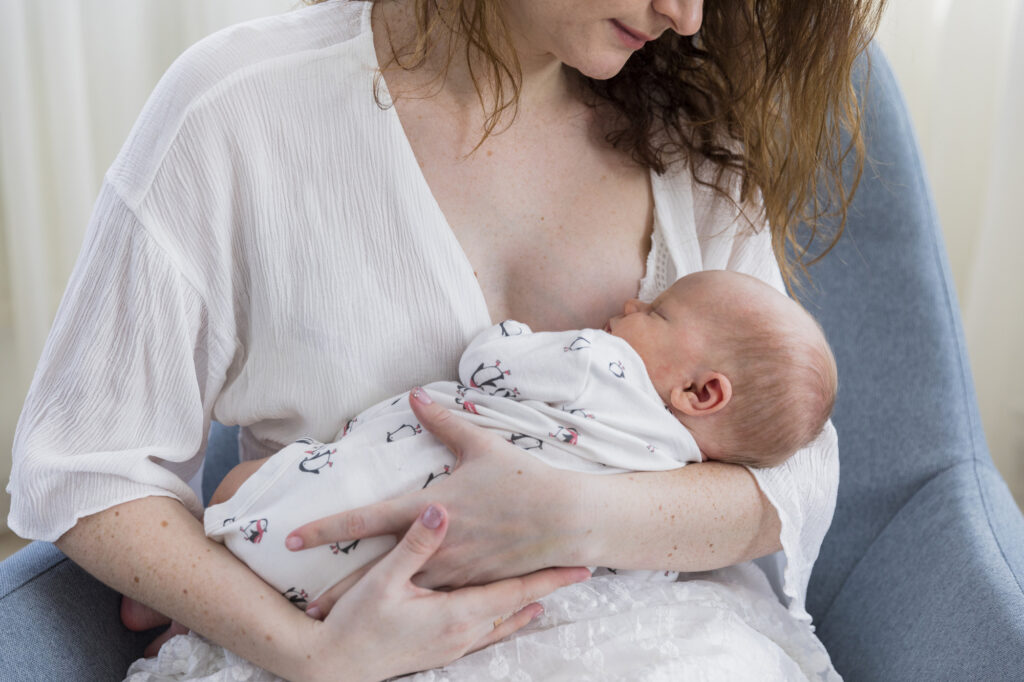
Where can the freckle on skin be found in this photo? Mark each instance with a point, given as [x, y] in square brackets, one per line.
[184, 591]
[269, 638]
[520, 472]
[136, 578]
[117, 513]
[163, 523]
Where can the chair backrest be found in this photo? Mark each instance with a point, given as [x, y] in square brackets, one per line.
[906, 406]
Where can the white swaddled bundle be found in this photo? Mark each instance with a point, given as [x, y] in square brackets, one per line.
[579, 400]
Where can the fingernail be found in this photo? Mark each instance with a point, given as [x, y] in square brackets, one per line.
[314, 612]
[538, 611]
[293, 542]
[432, 517]
[421, 396]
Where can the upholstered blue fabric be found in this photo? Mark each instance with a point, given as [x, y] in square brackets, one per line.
[921, 574]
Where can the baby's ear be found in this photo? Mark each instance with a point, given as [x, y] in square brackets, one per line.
[703, 397]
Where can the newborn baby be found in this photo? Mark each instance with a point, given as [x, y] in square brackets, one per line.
[721, 367]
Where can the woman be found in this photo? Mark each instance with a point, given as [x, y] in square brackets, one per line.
[526, 170]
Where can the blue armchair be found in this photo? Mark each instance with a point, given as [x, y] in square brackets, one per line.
[922, 574]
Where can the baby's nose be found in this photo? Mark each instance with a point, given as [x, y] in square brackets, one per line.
[633, 305]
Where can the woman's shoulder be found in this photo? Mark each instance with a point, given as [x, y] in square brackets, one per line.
[226, 75]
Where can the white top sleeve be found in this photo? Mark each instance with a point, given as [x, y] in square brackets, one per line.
[120, 403]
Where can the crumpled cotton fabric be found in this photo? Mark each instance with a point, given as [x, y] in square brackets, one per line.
[713, 626]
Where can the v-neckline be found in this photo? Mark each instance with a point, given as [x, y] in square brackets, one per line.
[445, 232]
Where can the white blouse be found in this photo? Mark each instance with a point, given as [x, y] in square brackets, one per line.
[266, 252]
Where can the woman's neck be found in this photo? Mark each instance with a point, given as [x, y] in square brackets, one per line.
[546, 85]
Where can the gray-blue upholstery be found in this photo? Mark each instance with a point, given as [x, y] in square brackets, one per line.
[920, 577]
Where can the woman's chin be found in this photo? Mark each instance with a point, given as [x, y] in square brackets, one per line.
[602, 68]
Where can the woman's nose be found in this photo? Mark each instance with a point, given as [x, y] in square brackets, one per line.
[685, 16]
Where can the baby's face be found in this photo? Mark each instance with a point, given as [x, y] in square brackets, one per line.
[676, 334]
[669, 334]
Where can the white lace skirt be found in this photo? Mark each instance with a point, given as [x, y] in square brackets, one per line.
[722, 625]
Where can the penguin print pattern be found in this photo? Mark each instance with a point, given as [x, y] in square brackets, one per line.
[254, 531]
[566, 434]
[318, 457]
[579, 343]
[404, 431]
[336, 547]
[524, 441]
[446, 471]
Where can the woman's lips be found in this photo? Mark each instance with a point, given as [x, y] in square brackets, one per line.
[631, 38]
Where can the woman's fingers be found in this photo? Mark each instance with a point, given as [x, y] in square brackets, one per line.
[459, 435]
[389, 517]
[510, 595]
[503, 627]
[325, 602]
[416, 546]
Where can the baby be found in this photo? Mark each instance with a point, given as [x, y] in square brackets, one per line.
[721, 367]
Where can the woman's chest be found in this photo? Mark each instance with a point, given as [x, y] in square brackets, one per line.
[556, 229]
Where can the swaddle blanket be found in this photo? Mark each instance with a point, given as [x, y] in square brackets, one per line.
[578, 400]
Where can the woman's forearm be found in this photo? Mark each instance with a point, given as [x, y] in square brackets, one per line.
[154, 551]
[697, 518]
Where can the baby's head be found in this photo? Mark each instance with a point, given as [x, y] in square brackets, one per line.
[742, 366]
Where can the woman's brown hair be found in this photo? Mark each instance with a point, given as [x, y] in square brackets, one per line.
[763, 92]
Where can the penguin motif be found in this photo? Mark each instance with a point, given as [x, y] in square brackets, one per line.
[486, 377]
[566, 434]
[578, 412]
[510, 328]
[254, 531]
[227, 521]
[466, 405]
[296, 596]
[579, 343]
[337, 548]
[404, 431]
[447, 471]
[318, 457]
[349, 425]
[525, 442]
[617, 369]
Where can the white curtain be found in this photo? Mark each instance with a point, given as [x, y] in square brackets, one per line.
[961, 66]
[75, 73]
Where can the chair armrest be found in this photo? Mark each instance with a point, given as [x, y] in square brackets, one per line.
[59, 623]
[959, 602]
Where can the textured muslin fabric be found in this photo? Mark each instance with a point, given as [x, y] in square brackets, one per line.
[265, 251]
[579, 400]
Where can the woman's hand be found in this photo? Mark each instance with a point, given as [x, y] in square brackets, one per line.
[512, 514]
[385, 625]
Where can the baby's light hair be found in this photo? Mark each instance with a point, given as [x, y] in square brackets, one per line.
[784, 384]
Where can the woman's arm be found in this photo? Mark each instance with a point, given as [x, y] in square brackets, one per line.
[165, 561]
[513, 514]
